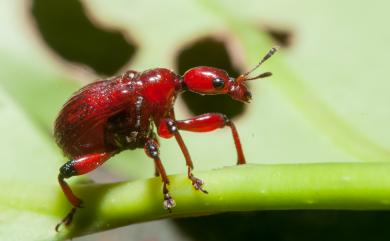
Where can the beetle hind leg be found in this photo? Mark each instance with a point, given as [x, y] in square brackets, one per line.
[79, 166]
[67, 219]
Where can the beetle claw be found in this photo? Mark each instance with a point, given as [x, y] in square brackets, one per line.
[198, 183]
[80, 204]
[169, 203]
[67, 220]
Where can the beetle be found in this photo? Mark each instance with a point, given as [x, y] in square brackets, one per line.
[116, 114]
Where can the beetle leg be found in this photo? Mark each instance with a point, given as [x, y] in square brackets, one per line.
[156, 172]
[209, 122]
[151, 149]
[77, 167]
[168, 128]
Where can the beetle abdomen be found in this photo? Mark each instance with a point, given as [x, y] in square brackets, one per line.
[83, 125]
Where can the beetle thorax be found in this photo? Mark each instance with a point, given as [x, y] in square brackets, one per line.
[159, 89]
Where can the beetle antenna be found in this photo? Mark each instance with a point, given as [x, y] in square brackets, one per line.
[267, 56]
[263, 75]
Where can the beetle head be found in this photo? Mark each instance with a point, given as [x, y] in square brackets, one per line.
[211, 81]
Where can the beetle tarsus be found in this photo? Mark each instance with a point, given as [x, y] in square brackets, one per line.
[169, 203]
[197, 183]
[151, 150]
[67, 220]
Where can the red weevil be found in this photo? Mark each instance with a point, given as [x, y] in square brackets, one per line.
[116, 114]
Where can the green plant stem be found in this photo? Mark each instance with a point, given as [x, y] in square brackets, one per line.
[347, 186]
[352, 186]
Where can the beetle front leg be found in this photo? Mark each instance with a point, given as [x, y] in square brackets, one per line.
[77, 167]
[205, 123]
[209, 122]
[151, 150]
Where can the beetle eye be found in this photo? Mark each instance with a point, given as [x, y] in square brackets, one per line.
[218, 83]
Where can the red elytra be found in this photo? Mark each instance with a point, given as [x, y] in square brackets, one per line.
[112, 115]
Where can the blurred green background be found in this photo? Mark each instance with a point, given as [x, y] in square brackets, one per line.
[327, 101]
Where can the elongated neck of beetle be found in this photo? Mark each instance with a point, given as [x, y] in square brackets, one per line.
[180, 85]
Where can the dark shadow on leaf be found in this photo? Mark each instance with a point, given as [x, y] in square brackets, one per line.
[67, 30]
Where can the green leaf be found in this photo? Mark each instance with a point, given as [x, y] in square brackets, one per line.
[30, 73]
[31, 92]
[327, 102]
[28, 162]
